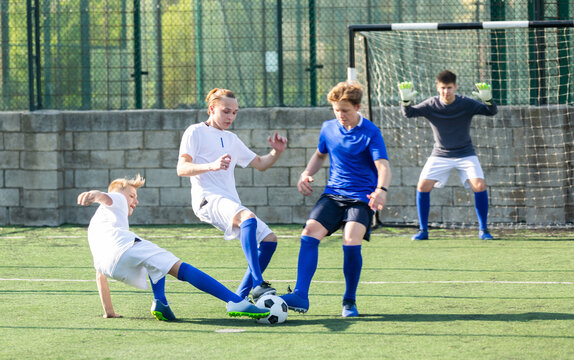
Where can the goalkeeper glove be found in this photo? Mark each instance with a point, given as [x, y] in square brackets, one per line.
[484, 93]
[407, 92]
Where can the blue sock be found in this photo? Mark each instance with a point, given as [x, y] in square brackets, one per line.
[205, 283]
[249, 246]
[352, 265]
[159, 290]
[481, 206]
[423, 209]
[266, 250]
[307, 264]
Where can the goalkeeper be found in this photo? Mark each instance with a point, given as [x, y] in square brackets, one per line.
[450, 116]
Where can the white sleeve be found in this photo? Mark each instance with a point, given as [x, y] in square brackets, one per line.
[244, 154]
[187, 145]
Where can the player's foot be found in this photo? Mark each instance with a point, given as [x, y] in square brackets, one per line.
[484, 235]
[161, 311]
[422, 234]
[263, 289]
[245, 308]
[349, 309]
[296, 302]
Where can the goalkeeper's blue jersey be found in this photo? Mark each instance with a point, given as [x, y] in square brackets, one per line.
[352, 155]
[451, 123]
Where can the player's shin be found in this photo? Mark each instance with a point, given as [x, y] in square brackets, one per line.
[205, 283]
[265, 252]
[249, 246]
[481, 206]
[307, 264]
[159, 290]
[352, 265]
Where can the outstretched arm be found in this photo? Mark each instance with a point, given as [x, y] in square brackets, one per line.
[186, 167]
[278, 144]
[105, 297]
[378, 198]
[306, 178]
[94, 196]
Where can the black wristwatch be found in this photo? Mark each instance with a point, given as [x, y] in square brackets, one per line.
[383, 188]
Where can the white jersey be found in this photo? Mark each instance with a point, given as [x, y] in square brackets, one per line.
[206, 144]
[109, 234]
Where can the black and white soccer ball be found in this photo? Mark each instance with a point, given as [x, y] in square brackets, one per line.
[277, 309]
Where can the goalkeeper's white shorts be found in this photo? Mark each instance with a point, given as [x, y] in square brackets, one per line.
[438, 169]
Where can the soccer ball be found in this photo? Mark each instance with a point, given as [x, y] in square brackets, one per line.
[277, 309]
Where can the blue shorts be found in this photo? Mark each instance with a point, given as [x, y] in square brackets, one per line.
[333, 211]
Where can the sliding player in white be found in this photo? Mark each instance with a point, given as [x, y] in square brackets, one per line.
[122, 255]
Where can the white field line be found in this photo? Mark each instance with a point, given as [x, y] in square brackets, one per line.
[342, 282]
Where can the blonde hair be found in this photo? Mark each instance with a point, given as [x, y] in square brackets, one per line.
[350, 91]
[215, 95]
[119, 185]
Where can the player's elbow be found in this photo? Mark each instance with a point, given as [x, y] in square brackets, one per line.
[100, 276]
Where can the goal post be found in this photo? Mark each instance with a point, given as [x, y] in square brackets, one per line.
[526, 150]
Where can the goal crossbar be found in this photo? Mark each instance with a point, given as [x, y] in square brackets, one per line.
[356, 28]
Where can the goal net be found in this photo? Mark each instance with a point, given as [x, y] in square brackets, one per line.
[526, 150]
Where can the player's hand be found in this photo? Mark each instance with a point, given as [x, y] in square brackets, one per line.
[304, 184]
[377, 199]
[484, 93]
[222, 163]
[277, 142]
[111, 316]
[86, 198]
[407, 92]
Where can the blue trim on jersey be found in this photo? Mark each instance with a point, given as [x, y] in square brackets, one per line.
[352, 155]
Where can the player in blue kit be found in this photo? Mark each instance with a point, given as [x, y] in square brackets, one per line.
[359, 177]
[450, 116]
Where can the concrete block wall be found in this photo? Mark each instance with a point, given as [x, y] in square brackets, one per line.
[47, 158]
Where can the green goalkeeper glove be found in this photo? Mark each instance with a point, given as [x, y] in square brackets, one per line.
[407, 92]
[484, 93]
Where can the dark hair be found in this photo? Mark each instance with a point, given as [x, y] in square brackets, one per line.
[446, 77]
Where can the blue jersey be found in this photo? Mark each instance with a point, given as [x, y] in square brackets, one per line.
[352, 155]
[451, 123]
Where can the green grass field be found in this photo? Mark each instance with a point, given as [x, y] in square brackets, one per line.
[452, 297]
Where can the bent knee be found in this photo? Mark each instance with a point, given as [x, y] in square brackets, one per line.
[478, 185]
[270, 238]
[314, 229]
[242, 216]
[425, 185]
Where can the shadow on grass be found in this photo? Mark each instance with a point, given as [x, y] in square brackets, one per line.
[341, 324]
[298, 326]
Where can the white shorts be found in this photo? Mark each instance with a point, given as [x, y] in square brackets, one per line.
[438, 169]
[142, 259]
[219, 211]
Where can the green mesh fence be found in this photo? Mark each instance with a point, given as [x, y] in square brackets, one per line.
[130, 54]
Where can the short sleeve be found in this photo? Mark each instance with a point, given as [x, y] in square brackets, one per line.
[187, 145]
[244, 155]
[377, 146]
